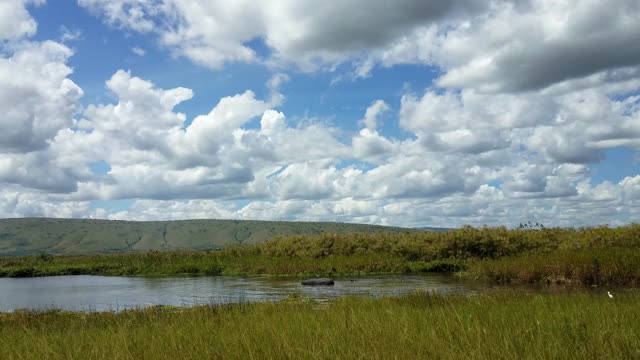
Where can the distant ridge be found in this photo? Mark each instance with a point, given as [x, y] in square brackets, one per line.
[29, 236]
[429, 228]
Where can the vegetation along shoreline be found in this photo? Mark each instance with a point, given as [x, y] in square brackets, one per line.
[586, 256]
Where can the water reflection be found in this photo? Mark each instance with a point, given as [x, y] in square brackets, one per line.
[102, 293]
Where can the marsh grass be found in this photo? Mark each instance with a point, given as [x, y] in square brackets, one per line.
[492, 326]
[595, 266]
[204, 263]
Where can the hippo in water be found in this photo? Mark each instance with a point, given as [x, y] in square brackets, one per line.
[318, 281]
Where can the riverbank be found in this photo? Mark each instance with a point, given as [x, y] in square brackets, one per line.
[507, 325]
[592, 256]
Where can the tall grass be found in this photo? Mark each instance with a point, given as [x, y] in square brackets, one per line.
[464, 243]
[596, 266]
[154, 262]
[426, 326]
[205, 263]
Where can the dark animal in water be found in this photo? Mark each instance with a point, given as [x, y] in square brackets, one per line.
[319, 281]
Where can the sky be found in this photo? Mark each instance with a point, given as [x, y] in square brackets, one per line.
[407, 113]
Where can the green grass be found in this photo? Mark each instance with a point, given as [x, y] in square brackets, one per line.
[491, 326]
[599, 256]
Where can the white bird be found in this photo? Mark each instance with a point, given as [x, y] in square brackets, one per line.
[609, 293]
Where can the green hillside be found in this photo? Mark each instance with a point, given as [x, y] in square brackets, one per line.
[29, 236]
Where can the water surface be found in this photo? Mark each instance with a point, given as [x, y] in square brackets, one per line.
[105, 293]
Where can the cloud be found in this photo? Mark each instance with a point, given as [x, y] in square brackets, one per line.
[307, 181]
[499, 46]
[376, 109]
[372, 147]
[37, 100]
[465, 122]
[138, 51]
[570, 128]
[15, 21]
[36, 95]
[532, 45]
[307, 33]
[41, 170]
[306, 172]
[132, 14]
[14, 202]
[146, 210]
[274, 84]
[67, 35]
[611, 203]
[154, 152]
[144, 142]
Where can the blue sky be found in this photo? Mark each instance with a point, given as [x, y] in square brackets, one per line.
[419, 114]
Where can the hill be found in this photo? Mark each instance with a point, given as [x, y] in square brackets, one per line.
[430, 228]
[28, 236]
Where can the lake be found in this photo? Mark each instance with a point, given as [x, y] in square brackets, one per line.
[105, 293]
